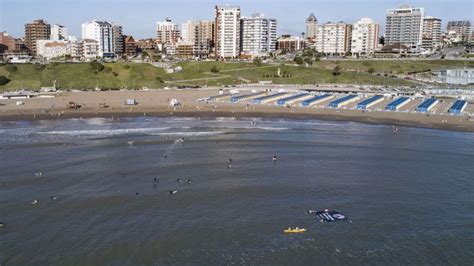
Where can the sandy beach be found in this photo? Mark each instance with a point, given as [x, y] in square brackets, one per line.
[156, 103]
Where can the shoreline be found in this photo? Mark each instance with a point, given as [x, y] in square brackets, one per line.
[214, 114]
[156, 103]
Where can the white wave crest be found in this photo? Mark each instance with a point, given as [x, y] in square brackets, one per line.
[106, 132]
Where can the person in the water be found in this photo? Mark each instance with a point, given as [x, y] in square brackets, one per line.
[230, 163]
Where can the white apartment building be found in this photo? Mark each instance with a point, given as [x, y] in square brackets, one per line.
[167, 32]
[90, 49]
[102, 32]
[227, 28]
[431, 38]
[333, 38]
[58, 32]
[365, 37]
[48, 49]
[203, 38]
[404, 25]
[311, 26]
[258, 35]
[187, 31]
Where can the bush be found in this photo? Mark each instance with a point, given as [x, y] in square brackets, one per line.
[4, 80]
[371, 70]
[115, 74]
[126, 67]
[39, 67]
[96, 66]
[336, 71]
[11, 68]
[365, 63]
[257, 61]
[214, 69]
[299, 60]
[107, 70]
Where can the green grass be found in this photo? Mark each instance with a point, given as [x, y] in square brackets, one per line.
[393, 66]
[132, 75]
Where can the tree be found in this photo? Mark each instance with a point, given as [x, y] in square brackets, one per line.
[257, 61]
[371, 70]
[336, 71]
[299, 60]
[4, 80]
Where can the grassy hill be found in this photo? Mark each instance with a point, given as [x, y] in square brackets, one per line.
[134, 75]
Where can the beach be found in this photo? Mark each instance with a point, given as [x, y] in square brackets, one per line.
[156, 103]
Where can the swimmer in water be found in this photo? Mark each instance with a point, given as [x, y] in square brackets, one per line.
[54, 197]
[155, 180]
[173, 191]
[179, 180]
[230, 163]
[188, 181]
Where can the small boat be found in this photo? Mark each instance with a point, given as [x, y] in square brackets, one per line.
[294, 230]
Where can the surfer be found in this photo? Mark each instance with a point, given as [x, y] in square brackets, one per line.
[188, 181]
[54, 197]
[173, 191]
[179, 180]
[274, 158]
[230, 163]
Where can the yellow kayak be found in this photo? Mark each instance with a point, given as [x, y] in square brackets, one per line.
[294, 230]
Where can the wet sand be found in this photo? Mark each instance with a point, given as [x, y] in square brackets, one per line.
[156, 103]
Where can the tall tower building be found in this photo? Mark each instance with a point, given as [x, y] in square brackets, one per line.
[119, 40]
[365, 36]
[227, 28]
[404, 25]
[102, 32]
[311, 26]
[167, 32]
[37, 30]
[431, 37]
[203, 38]
[187, 31]
[258, 35]
[334, 38]
[58, 32]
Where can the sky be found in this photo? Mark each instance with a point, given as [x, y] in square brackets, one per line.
[139, 17]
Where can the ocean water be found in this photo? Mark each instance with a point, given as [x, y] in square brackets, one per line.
[410, 195]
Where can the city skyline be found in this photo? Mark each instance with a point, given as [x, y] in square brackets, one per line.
[140, 19]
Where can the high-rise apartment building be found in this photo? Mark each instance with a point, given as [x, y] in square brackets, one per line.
[187, 31]
[404, 25]
[167, 32]
[431, 37]
[102, 32]
[258, 35]
[462, 29]
[333, 38]
[311, 26]
[227, 31]
[365, 37]
[37, 30]
[58, 32]
[119, 40]
[203, 38]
